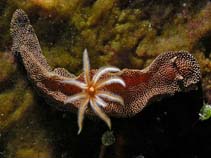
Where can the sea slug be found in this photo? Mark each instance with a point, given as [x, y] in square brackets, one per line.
[169, 73]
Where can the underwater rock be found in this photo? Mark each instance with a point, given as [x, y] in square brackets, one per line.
[108, 138]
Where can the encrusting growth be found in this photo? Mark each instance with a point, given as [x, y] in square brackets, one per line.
[92, 91]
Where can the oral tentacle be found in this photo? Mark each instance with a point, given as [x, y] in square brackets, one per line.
[103, 71]
[111, 97]
[100, 101]
[75, 97]
[100, 113]
[81, 112]
[109, 81]
[75, 83]
[86, 66]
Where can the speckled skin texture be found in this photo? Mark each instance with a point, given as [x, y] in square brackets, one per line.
[168, 74]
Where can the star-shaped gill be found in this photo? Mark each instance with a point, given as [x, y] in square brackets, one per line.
[92, 91]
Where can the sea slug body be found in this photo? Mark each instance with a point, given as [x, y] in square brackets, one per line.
[169, 73]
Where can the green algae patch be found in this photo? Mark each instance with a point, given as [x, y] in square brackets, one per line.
[14, 104]
[32, 153]
[125, 34]
[26, 141]
[7, 66]
[100, 9]
[205, 112]
[59, 57]
[30, 137]
[5, 18]
[61, 6]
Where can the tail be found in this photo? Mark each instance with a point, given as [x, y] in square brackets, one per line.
[23, 36]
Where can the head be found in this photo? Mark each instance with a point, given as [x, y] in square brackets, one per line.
[177, 67]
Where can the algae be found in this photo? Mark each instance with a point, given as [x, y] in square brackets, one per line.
[14, 104]
[125, 31]
[7, 65]
[62, 59]
[28, 138]
[205, 112]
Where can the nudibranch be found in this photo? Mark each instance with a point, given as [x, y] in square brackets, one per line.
[169, 73]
